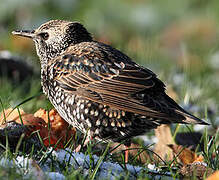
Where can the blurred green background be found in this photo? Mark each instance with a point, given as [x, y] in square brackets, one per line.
[176, 39]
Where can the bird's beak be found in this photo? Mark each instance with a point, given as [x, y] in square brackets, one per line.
[24, 33]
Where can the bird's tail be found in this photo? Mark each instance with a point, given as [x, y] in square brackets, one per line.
[190, 119]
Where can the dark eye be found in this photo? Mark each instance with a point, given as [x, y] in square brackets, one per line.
[44, 36]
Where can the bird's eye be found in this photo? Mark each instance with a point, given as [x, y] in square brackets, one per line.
[44, 36]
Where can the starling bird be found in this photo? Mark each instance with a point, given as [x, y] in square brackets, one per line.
[98, 89]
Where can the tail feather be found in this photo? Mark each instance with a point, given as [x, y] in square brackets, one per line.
[190, 119]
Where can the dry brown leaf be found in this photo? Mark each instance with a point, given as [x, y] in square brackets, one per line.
[10, 115]
[164, 136]
[214, 176]
[198, 169]
[59, 131]
[200, 158]
[185, 155]
[31, 122]
[59, 128]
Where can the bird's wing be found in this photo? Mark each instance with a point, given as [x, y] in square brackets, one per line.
[112, 80]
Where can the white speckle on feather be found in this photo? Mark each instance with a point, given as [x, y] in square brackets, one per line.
[98, 122]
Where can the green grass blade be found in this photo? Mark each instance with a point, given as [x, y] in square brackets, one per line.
[99, 162]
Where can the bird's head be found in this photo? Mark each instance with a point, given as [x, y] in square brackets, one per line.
[53, 37]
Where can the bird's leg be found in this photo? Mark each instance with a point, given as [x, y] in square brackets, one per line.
[78, 148]
[127, 144]
[126, 154]
[87, 140]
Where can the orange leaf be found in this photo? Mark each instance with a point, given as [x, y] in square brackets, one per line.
[10, 115]
[59, 128]
[185, 155]
[31, 122]
[214, 176]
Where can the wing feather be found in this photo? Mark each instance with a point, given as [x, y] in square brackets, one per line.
[114, 83]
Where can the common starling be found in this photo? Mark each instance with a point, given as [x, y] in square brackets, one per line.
[98, 89]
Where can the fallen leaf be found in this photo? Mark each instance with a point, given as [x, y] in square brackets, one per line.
[198, 169]
[31, 122]
[59, 130]
[10, 115]
[185, 155]
[53, 130]
[164, 136]
[214, 176]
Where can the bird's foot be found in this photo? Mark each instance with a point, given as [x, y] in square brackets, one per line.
[87, 140]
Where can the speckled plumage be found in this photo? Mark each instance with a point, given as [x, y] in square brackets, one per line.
[97, 88]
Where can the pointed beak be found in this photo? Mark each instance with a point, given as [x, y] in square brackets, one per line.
[24, 33]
